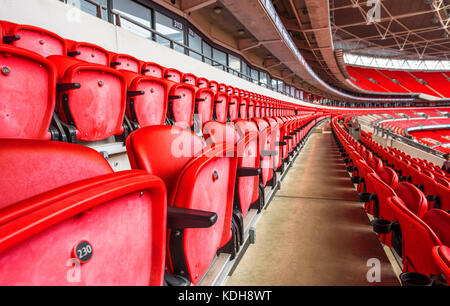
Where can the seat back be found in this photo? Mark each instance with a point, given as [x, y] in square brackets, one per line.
[444, 193]
[175, 148]
[182, 105]
[28, 90]
[418, 240]
[153, 69]
[125, 62]
[413, 198]
[243, 104]
[76, 220]
[233, 107]
[97, 107]
[88, 52]
[205, 105]
[147, 99]
[441, 256]
[383, 192]
[202, 83]
[213, 85]
[34, 39]
[189, 78]
[251, 109]
[439, 221]
[173, 75]
[221, 107]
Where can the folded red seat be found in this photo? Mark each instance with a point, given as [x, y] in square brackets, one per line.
[147, 99]
[181, 107]
[33, 39]
[28, 90]
[257, 113]
[250, 109]
[202, 83]
[173, 75]
[441, 256]
[153, 69]
[60, 227]
[221, 101]
[88, 52]
[125, 62]
[197, 181]
[420, 236]
[213, 85]
[268, 151]
[189, 78]
[91, 99]
[204, 107]
[233, 108]
[222, 88]
[243, 105]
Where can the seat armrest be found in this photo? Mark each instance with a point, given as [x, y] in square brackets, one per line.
[181, 218]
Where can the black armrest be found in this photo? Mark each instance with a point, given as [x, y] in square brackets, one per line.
[265, 153]
[247, 171]
[280, 143]
[180, 218]
[287, 137]
[60, 87]
[132, 94]
[432, 198]
[73, 53]
[357, 180]
[175, 280]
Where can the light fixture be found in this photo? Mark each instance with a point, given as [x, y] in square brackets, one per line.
[241, 32]
[217, 10]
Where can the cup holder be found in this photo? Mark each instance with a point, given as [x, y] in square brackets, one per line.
[415, 279]
[381, 226]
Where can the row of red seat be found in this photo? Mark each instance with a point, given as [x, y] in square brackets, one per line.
[94, 89]
[405, 220]
[67, 218]
[382, 81]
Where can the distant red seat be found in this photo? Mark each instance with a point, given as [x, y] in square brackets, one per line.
[153, 69]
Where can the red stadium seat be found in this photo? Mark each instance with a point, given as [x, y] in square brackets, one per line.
[33, 39]
[125, 62]
[182, 105]
[233, 108]
[173, 75]
[91, 98]
[153, 69]
[189, 78]
[147, 99]
[88, 52]
[418, 237]
[441, 256]
[28, 90]
[77, 221]
[191, 250]
[221, 107]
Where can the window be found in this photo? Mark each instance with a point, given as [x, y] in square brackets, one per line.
[220, 57]
[136, 12]
[280, 86]
[90, 8]
[263, 78]
[235, 64]
[170, 28]
[255, 76]
[195, 43]
[245, 71]
[274, 84]
[207, 51]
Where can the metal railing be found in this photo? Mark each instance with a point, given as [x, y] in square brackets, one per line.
[386, 132]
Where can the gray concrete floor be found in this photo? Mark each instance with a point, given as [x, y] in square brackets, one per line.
[315, 232]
